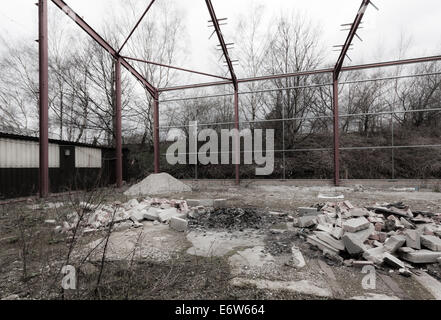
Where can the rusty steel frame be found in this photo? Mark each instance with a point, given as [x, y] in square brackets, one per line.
[136, 26]
[44, 97]
[155, 92]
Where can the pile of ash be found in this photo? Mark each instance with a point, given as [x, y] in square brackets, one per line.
[235, 219]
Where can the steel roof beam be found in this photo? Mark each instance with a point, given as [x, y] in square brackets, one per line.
[352, 33]
[136, 26]
[176, 68]
[103, 43]
[222, 43]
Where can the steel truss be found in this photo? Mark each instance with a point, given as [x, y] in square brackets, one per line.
[121, 60]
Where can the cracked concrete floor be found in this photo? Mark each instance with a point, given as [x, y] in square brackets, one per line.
[252, 265]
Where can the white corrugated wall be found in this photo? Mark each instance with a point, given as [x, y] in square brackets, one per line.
[87, 157]
[25, 154]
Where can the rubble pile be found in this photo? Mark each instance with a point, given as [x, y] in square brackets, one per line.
[389, 234]
[124, 216]
[157, 184]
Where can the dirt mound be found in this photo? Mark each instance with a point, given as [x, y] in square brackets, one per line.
[235, 219]
[156, 184]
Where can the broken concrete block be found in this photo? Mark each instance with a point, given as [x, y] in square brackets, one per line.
[331, 215]
[321, 244]
[325, 237]
[178, 224]
[365, 234]
[348, 205]
[337, 233]
[306, 221]
[359, 212]
[166, 215]
[393, 261]
[406, 250]
[406, 223]
[220, 203]
[151, 214]
[375, 219]
[353, 244]
[322, 219]
[137, 215]
[422, 256]
[303, 211]
[394, 243]
[431, 242]
[413, 239]
[377, 244]
[376, 255]
[354, 225]
[193, 203]
[50, 221]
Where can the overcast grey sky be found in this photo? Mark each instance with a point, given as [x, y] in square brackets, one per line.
[418, 20]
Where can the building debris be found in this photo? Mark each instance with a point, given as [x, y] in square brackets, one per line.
[384, 234]
[179, 224]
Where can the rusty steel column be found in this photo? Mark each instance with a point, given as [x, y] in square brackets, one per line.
[157, 149]
[118, 124]
[336, 133]
[237, 136]
[44, 98]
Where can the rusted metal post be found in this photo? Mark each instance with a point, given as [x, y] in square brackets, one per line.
[237, 136]
[44, 98]
[157, 149]
[336, 133]
[118, 125]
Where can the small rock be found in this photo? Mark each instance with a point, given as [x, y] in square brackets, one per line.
[405, 272]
